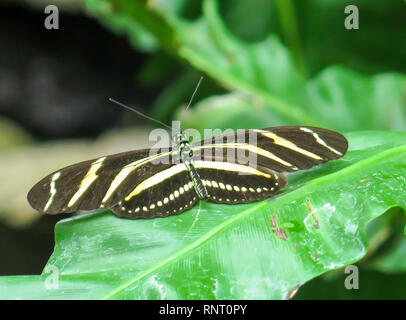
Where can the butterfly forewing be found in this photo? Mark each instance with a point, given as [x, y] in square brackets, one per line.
[96, 183]
[248, 165]
[283, 149]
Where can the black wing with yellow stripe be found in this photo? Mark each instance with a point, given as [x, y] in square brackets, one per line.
[97, 183]
[283, 149]
[248, 165]
[239, 167]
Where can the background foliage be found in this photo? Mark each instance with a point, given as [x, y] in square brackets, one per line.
[266, 63]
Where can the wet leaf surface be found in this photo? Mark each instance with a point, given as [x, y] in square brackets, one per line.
[229, 252]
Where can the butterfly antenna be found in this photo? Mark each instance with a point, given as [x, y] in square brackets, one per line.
[194, 93]
[139, 112]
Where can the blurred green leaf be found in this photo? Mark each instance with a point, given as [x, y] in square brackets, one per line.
[250, 21]
[336, 98]
[233, 110]
[392, 261]
[388, 246]
[121, 23]
[374, 47]
[344, 99]
[259, 250]
[178, 93]
[314, 31]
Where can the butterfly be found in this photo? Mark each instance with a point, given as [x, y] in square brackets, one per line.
[152, 183]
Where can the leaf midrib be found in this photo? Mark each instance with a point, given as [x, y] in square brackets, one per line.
[185, 250]
[333, 176]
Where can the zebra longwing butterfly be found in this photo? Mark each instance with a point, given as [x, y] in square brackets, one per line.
[157, 183]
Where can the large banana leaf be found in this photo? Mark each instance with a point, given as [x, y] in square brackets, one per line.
[260, 250]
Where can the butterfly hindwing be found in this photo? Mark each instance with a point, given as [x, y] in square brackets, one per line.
[167, 192]
[239, 185]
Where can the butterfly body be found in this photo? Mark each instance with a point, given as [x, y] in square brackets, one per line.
[157, 183]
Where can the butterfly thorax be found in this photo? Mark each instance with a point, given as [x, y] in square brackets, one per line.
[182, 144]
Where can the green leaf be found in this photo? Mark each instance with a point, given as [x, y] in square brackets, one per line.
[177, 94]
[233, 110]
[321, 39]
[261, 250]
[336, 98]
[394, 260]
[344, 99]
[142, 35]
[374, 47]
[265, 72]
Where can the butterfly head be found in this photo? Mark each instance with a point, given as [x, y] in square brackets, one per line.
[180, 140]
